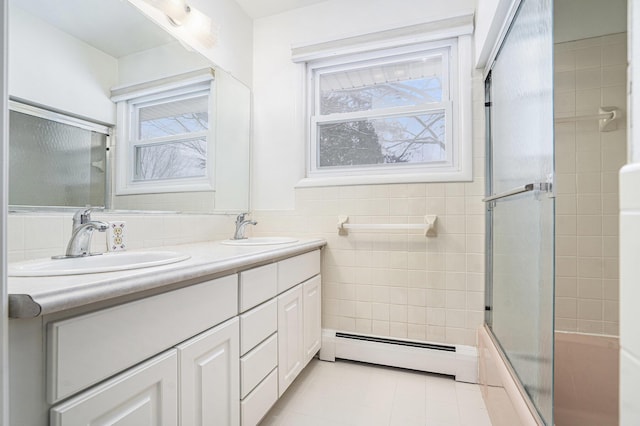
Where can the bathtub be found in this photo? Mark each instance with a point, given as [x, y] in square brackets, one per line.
[586, 378]
[586, 374]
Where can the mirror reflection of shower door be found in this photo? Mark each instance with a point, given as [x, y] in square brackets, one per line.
[520, 255]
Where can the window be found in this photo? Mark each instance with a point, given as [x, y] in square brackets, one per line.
[384, 112]
[165, 140]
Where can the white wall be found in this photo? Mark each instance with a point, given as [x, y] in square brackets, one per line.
[49, 67]
[279, 107]
[163, 61]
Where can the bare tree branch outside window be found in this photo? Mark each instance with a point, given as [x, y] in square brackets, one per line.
[182, 157]
[418, 138]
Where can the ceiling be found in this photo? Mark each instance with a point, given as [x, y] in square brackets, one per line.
[261, 8]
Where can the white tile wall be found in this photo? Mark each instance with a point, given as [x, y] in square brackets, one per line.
[32, 236]
[588, 74]
[399, 283]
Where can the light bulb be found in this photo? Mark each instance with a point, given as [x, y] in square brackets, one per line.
[176, 10]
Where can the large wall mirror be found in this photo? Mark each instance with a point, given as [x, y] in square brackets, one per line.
[80, 73]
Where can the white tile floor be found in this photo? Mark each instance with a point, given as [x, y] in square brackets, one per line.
[347, 393]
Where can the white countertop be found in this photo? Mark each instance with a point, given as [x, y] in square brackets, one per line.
[34, 296]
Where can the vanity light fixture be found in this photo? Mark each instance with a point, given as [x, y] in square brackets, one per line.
[188, 19]
[177, 11]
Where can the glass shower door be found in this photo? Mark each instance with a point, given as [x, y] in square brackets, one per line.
[520, 207]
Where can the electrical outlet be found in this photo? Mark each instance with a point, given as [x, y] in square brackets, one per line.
[116, 240]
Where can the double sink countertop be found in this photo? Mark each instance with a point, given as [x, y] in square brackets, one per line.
[30, 297]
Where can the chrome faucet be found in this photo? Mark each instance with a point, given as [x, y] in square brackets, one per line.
[241, 224]
[83, 227]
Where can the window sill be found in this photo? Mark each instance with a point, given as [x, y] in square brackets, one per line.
[311, 182]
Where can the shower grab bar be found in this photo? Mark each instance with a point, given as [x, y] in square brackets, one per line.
[546, 187]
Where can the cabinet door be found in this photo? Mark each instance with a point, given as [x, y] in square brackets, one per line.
[312, 307]
[210, 377]
[143, 396]
[290, 337]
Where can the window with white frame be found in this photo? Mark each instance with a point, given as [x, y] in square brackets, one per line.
[165, 141]
[395, 114]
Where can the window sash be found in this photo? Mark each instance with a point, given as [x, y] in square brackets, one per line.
[127, 181]
[395, 56]
[383, 168]
[446, 50]
[137, 165]
[165, 98]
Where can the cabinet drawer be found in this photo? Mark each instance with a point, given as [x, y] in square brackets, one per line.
[255, 365]
[258, 403]
[86, 349]
[297, 269]
[258, 324]
[146, 395]
[258, 285]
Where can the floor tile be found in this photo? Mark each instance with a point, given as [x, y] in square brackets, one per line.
[345, 393]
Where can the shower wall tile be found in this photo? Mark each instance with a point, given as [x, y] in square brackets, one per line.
[589, 73]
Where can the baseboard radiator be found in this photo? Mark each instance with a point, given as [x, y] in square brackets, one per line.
[459, 361]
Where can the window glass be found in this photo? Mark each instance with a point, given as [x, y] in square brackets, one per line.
[387, 85]
[171, 160]
[170, 137]
[390, 113]
[173, 117]
[416, 139]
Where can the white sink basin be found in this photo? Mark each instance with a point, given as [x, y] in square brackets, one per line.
[260, 241]
[108, 262]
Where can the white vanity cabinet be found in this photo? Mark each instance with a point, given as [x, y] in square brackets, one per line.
[208, 367]
[258, 342]
[299, 329]
[146, 395]
[213, 352]
[278, 337]
[298, 315]
[195, 383]
[291, 335]
[312, 310]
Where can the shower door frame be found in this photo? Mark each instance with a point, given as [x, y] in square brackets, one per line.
[511, 13]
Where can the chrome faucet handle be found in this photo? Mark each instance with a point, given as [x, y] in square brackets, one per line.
[240, 218]
[241, 223]
[82, 216]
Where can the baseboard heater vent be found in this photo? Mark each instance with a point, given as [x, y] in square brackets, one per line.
[454, 360]
[422, 345]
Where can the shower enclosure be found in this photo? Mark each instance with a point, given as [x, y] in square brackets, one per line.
[556, 139]
[520, 207]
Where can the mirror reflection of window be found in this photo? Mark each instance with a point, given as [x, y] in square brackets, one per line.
[171, 137]
[166, 135]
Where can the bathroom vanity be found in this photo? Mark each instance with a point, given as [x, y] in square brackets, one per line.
[213, 340]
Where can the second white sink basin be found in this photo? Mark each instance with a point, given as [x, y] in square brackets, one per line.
[108, 262]
[260, 241]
